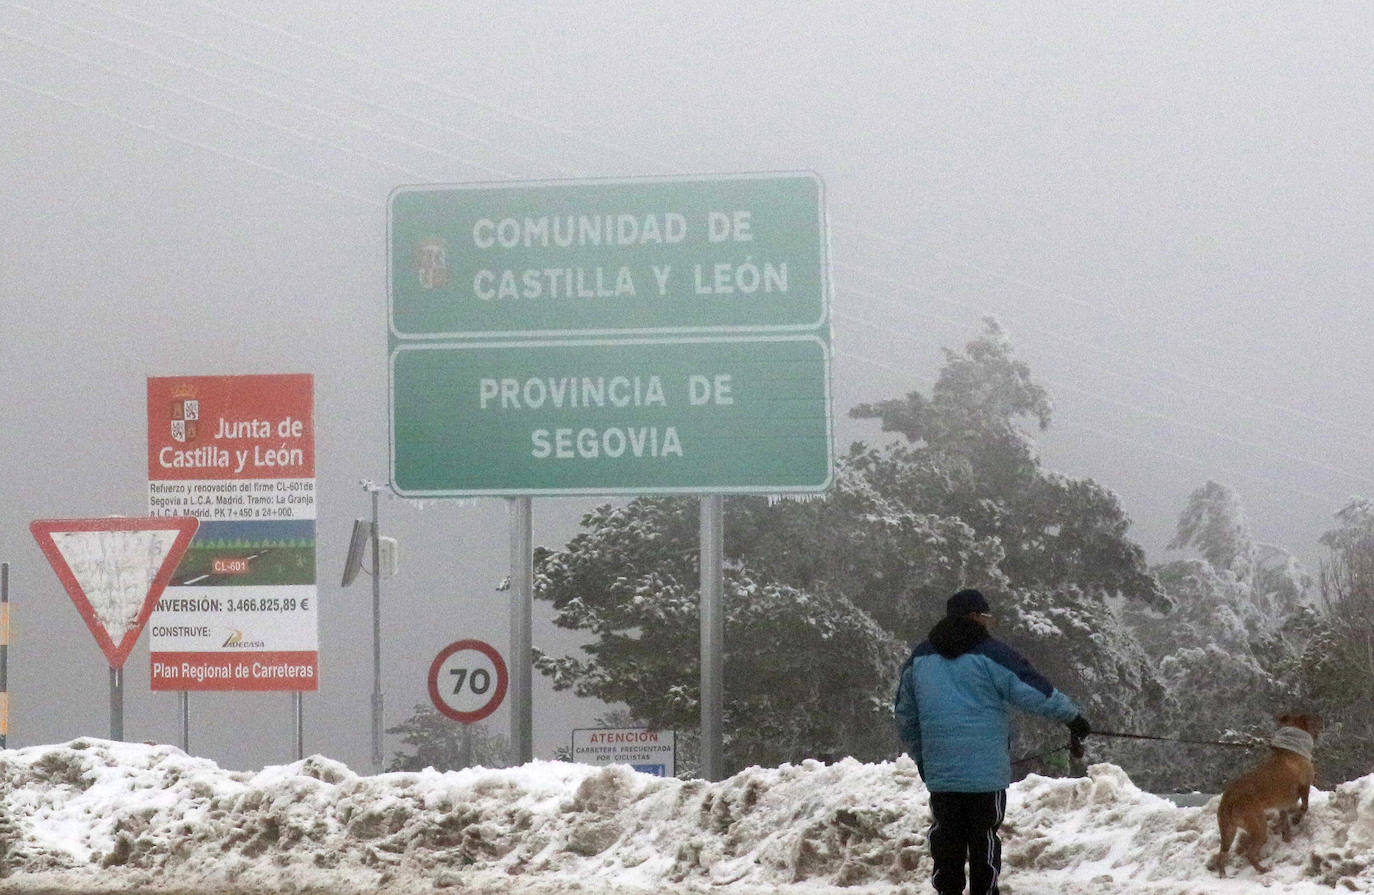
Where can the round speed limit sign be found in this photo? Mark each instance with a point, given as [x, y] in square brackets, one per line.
[467, 680]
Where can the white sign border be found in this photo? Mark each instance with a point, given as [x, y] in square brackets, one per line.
[612, 490]
[488, 335]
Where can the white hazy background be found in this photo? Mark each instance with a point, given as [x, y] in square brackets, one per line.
[1169, 207]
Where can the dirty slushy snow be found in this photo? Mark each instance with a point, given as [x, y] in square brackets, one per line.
[94, 815]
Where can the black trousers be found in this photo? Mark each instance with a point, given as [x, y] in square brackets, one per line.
[964, 830]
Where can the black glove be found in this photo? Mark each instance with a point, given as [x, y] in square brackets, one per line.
[1079, 727]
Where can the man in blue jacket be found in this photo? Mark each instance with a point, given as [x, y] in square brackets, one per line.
[953, 703]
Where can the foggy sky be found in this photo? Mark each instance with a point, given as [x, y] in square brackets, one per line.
[1169, 207]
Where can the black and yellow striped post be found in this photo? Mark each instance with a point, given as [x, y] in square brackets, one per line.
[4, 653]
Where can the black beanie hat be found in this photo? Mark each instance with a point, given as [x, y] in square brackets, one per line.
[966, 602]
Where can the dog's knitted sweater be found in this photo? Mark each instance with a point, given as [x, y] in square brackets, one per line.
[1294, 739]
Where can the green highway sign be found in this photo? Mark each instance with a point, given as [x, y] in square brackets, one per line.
[636, 336]
[611, 416]
[649, 256]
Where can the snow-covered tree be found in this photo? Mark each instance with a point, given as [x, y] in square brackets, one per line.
[1337, 667]
[1054, 530]
[1214, 524]
[973, 412]
[446, 745]
[1219, 673]
[1067, 561]
[823, 596]
[1225, 647]
[872, 539]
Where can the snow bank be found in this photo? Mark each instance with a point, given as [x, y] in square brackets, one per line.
[99, 815]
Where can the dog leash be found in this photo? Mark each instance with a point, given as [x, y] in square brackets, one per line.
[1146, 736]
[1075, 746]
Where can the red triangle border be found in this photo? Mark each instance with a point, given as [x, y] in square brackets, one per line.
[43, 531]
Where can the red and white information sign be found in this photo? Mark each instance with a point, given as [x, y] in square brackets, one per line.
[232, 447]
[114, 568]
[237, 453]
[647, 751]
[468, 680]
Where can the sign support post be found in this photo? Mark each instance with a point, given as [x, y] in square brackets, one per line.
[184, 702]
[116, 703]
[712, 635]
[377, 724]
[298, 707]
[521, 625]
[4, 653]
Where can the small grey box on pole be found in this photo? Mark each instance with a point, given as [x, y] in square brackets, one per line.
[712, 636]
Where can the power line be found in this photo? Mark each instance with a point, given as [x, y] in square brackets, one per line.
[430, 85]
[1019, 282]
[1135, 443]
[410, 78]
[1139, 411]
[1211, 468]
[309, 138]
[346, 94]
[1087, 346]
[1100, 370]
[195, 144]
[442, 90]
[1209, 348]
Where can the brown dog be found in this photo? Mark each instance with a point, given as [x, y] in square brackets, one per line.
[1280, 782]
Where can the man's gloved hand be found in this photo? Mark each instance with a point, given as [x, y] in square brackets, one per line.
[1079, 727]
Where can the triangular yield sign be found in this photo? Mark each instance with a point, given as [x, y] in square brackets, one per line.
[114, 568]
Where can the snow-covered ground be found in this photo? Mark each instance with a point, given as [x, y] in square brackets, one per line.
[95, 815]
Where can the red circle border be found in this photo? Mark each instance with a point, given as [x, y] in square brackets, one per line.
[502, 681]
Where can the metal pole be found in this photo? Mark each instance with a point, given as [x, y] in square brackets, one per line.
[4, 653]
[711, 564]
[184, 700]
[298, 706]
[521, 625]
[116, 703]
[376, 637]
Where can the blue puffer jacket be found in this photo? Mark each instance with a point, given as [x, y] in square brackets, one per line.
[953, 706]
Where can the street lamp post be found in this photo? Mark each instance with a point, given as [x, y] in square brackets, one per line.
[367, 536]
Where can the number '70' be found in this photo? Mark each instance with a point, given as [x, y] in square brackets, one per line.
[479, 681]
